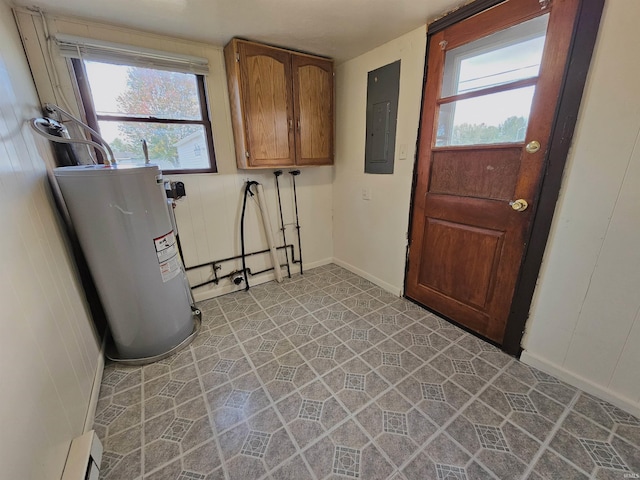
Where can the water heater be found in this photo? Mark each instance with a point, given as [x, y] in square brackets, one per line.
[121, 219]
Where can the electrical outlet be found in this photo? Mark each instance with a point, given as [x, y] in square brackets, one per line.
[366, 193]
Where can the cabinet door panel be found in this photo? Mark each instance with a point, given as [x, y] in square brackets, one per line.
[268, 109]
[313, 99]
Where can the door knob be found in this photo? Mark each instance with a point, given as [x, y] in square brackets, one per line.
[519, 205]
[533, 146]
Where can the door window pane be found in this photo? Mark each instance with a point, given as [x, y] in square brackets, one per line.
[509, 55]
[496, 118]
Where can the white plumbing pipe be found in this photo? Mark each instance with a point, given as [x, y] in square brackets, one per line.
[266, 222]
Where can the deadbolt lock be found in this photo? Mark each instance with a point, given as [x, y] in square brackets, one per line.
[519, 205]
[533, 146]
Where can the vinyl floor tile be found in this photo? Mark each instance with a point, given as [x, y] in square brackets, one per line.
[327, 376]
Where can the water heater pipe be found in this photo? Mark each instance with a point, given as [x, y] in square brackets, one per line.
[266, 222]
[145, 150]
[48, 122]
[103, 146]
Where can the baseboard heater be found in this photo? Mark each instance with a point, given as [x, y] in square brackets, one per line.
[83, 461]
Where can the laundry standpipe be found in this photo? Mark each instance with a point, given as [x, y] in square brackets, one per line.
[121, 218]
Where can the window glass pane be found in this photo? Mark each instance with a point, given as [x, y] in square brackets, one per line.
[125, 90]
[171, 146]
[506, 56]
[497, 118]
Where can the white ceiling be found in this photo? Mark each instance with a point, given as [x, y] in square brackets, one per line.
[341, 29]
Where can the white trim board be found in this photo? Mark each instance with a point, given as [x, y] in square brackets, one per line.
[95, 389]
[580, 382]
[381, 283]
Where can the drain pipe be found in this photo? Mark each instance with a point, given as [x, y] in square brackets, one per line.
[294, 174]
[266, 222]
[247, 192]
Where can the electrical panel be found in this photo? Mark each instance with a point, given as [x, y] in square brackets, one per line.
[383, 87]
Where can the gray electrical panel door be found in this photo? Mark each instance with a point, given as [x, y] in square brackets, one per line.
[383, 87]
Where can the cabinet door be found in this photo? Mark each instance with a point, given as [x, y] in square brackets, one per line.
[313, 99]
[268, 108]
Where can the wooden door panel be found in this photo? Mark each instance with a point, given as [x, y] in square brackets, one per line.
[464, 269]
[467, 243]
[269, 109]
[468, 211]
[462, 261]
[491, 173]
[493, 20]
[313, 97]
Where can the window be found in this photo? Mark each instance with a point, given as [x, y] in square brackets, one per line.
[168, 109]
[488, 86]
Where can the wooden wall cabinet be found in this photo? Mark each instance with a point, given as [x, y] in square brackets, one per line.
[281, 106]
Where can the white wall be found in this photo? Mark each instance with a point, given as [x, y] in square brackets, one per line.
[208, 217]
[370, 236]
[585, 318]
[48, 351]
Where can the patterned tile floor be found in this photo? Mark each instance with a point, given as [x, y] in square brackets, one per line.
[327, 376]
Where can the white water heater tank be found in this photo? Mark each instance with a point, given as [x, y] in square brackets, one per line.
[121, 218]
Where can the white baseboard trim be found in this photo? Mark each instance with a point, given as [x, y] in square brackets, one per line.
[226, 286]
[580, 382]
[95, 390]
[381, 283]
[84, 458]
[319, 263]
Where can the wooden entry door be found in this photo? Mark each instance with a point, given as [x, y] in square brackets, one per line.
[490, 97]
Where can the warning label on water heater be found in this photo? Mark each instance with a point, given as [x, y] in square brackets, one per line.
[167, 256]
[165, 246]
[170, 268]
